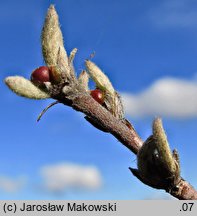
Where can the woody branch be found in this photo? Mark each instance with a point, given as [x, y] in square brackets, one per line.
[158, 167]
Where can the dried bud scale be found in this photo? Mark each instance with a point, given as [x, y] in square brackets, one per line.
[72, 56]
[83, 80]
[55, 74]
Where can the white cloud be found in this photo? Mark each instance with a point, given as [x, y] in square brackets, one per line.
[175, 13]
[8, 184]
[63, 176]
[166, 97]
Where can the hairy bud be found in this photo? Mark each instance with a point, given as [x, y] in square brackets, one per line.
[25, 88]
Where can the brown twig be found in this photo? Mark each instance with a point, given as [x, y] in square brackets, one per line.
[127, 136]
[86, 104]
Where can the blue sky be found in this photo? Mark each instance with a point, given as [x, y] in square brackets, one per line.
[147, 48]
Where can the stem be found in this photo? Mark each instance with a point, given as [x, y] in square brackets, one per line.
[127, 136]
[84, 103]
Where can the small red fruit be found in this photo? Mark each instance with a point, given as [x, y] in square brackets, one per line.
[98, 95]
[40, 75]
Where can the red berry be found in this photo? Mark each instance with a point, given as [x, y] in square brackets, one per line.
[98, 95]
[40, 75]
